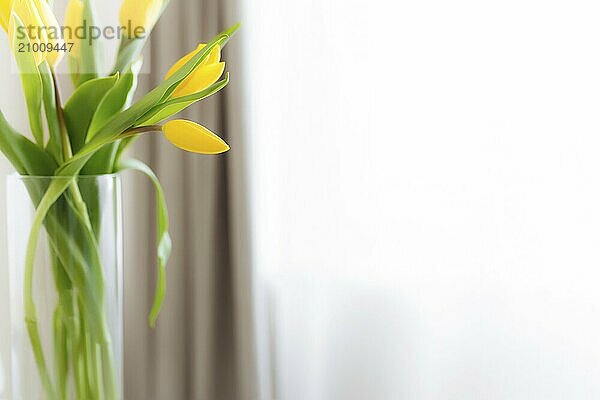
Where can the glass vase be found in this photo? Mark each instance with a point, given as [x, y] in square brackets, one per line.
[66, 294]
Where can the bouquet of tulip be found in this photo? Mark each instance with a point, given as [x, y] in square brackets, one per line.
[87, 135]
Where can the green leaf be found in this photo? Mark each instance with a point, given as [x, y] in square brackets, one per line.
[82, 106]
[173, 106]
[117, 99]
[90, 193]
[30, 79]
[102, 162]
[54, 143]
[24, 155]
[163, 238]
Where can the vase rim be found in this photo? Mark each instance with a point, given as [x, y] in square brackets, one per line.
[16, 175]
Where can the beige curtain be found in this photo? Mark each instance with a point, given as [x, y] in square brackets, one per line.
[202, 347]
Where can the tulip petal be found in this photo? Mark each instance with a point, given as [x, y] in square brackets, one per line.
[183, 60]
[135, 14]
[54, 32]
[73, 19]
[200, 79]
[213, 57]
[28, 14]
[190, 136]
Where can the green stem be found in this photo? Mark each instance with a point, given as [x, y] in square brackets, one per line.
[67, 151]
[98, 287]
[30, 310]
[140, 130]
[61, 325]
[78, 252]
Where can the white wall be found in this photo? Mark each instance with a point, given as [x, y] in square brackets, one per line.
[426, 197]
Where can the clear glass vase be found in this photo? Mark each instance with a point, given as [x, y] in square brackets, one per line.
[66, 294]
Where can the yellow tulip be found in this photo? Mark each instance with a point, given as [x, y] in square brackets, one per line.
[73, 19]
[27, 12]
[139, 16]
[41, 28]
[190, 136]
[53, 32]
[205, 74]
[5, 8]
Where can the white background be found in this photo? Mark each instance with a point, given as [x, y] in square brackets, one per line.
[427, 197]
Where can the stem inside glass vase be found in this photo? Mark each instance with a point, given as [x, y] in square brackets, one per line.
[76, 346]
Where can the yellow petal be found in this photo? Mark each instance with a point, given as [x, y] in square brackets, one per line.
[73, 19]
[53, 32]
[200, 79]
[190, 136]
[35, 20]
[5, 8]
[213, 57]
[31, 20]
[135, 14]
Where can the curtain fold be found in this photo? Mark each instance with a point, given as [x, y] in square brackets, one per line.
[203, 346]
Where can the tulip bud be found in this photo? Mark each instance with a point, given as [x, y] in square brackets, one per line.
[190, 136]
[205, 74]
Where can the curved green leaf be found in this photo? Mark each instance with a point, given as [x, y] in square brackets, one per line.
[117, 99]
[163, 238]
[82, 106]
[24, 155]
